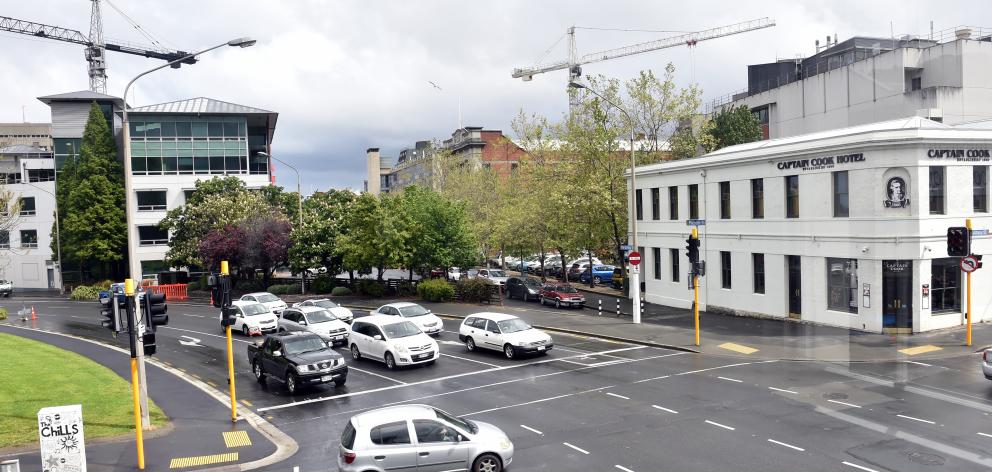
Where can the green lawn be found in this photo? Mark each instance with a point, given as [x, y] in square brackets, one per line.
[35, 375]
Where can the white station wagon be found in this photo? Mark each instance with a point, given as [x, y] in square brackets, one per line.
[502, 332]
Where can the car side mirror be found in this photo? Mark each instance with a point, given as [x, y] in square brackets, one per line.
[303, 322]
[259, 342]
[276, 353]
[459, 438]
[377, 337]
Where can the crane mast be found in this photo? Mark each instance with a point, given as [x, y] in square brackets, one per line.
[96, 53]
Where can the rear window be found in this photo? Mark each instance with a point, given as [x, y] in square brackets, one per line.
[348, 436]
[469, 321]
[390, 433]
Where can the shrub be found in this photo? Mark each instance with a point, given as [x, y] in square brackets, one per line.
[103, 284]
[406, 289]
[253, 285]
[474, 290]
[291, 289]
[3, 313]
[85, 292]
[371, 288]
[277, 289]
[435, 290]
[340, 291]
[322, 284]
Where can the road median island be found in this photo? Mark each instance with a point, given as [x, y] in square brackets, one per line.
[36, 375]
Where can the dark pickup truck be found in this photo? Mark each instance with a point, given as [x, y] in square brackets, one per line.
[297, 359]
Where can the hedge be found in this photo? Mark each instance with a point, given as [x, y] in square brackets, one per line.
[474, 290]
[340, 291]
[435, 290]
[85, 292]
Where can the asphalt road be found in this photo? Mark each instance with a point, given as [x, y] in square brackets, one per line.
[597, 405]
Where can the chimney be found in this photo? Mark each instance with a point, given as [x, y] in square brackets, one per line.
[963, 33]
[372, 162]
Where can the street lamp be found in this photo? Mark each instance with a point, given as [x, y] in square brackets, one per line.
[635, 276]
[299, 196]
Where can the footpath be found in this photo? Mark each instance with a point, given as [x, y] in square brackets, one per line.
[200, 435]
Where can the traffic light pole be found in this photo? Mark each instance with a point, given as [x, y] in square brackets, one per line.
[142, 381]
[225, 305]
[132, 328]
[695, 291]
[967, 224]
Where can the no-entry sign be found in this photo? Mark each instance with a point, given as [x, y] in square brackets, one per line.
[969, 263]
[634, 258]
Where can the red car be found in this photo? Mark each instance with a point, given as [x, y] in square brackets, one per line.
[562, 295]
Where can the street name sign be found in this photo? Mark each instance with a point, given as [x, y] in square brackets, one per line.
[625, 247]
[695, 222]
[60, 430]
[634, 258]
[969, 263]
[979, 232]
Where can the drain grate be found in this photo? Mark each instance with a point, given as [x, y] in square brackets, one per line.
[835, 396]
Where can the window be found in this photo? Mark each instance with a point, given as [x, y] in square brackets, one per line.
[187, 193]
[27, 206]
[656, 259]
[4, 239]
[151, 200]
[945, 283]
[725, 272]
[430, 431]
[29, 238]
[152, 236]
[640, 208]
[390, 433]
[673, 254]
[842, 285]
[758, 267]
[757, 198]
[656, 203]
[936, 190]
[673, 203]
[841, 198]
[980, 188]
[694, 202]
[792, 196]
[725, 200]
[41, 175]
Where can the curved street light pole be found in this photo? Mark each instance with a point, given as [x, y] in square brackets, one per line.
[299, 196]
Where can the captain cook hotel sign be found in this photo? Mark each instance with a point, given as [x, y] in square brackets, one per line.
[820, 163]
[961, 155]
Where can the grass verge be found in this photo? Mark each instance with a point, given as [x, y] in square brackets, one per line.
[36, 375]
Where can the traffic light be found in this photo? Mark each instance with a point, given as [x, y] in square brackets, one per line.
[958, 241]
[220, 289]
[227, 316]
[108, 311]
[692, 250]
[148, 342]
[979, 257]
[155, 309]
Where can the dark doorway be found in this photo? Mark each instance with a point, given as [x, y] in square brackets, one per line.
[795, 286]
[897, 296]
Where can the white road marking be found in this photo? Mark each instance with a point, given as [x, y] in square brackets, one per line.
[624, 469]
[856, 466]
[528, 428]
[730, 379]
[576, 448]
[195, 316]
[205, 334]
[191, 341]
[664, 409]
[790, 446]
[714, 423]
[617, 396]
[986, 435]
[916, 419]
[723, 367]
[351, 366]
[783, 390]
[542, 400]
[652, 378]
[844, 403]
[296, 469]
[470, 360]
[918, 363]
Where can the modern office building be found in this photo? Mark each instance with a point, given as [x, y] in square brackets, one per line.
[26, 256]
[845, 227]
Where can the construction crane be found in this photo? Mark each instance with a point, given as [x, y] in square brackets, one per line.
[574, 63]
[96, 48]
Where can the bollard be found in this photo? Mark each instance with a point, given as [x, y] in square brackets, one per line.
[600, 311]
[618, 308]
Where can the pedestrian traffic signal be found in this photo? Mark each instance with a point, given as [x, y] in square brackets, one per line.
[958, 241]
[155, 309]
[148, 343]
[692, 250]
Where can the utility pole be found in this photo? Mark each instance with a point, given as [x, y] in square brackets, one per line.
[220, 286]
[697, 269]
[132, 328]
[967, 224]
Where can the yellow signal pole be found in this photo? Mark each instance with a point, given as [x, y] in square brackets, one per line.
[129, 292]
[695, 291]
[967, 224]
[230, 355]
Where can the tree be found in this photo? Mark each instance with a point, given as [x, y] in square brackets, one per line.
[374, 235]
[314, 245]
[93, 226]
[222, 244]
[735, 125]
[265, 245]
[439, 234]
[693, 138]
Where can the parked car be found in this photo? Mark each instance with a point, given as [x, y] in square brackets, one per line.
[575, 270]
[428, 322]
[339, 311]
[6, 288]
[496, 276]
[585, 260]
[252, 318]
[421, 437]
[987, 363]
[315, 320]
[562, 295]
[599, 274]
[394, 342]
[501, 332]
[274, 303]
[524, 288]
[454, 273]
[296, 359]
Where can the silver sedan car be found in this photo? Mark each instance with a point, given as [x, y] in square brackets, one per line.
[421, 438]
[987, 363]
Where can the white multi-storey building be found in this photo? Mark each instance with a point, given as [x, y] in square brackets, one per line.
[28, 173]
[845, 227]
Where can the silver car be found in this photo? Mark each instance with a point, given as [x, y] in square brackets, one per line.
[421, 438]
[987, 363]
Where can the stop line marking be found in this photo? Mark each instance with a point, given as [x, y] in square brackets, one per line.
[528, 428]
[790, 446]
[576, 448]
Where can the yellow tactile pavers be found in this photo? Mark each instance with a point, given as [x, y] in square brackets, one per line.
[236, 439]
[183, 462]
[738, 348]
[912, 351]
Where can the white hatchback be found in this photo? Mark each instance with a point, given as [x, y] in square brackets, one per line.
[316, 320]
[397, 342]
[502, 332]
[274, 303]
[339, 311]
[251, 317]
[428, 322]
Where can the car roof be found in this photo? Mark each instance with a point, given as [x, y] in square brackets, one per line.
[247, 303]
[314, 300]
[308, 309]
[255, 294]
[492, 315]
[391, 414]
[292, 334]
[400, 304]
[379, 320]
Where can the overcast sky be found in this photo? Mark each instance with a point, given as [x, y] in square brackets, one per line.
[348, 75]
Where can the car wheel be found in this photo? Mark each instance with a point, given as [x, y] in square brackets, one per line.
[597, 280]
[292, 383]
[557, 303]
[509, 351]
[244, 330]
[354, 353]
[281, 330]
[256, 368]
[487, 462]
[470, 344]
[339, 382]
[390, 361]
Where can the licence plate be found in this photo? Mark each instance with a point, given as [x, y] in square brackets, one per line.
[540, 348]
[326, 378]
[338, 338]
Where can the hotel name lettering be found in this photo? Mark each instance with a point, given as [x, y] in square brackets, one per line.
[819, 163]
[961, 155]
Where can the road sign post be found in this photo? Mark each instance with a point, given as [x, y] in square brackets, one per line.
[967, 224]
[635, 285]
[132, 329]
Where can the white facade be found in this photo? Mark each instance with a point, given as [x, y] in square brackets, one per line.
[898, 246]
[26, 257]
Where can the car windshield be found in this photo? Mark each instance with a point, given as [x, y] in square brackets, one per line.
[459, 422]
[513, 325]
[320, 316]
[567, 289]
[532, 282]
[267, 298]
[303, 344]
[254, 309]
[325, 304]
[497, 273]
[400, 330]
[413, 310]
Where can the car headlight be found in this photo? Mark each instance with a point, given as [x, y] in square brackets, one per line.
[306, 368]
[505, 443]
[402, 349]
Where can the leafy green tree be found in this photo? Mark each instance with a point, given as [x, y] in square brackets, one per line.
[735, 125]
[314, 245]
[375, 234]
[93, 226]
[439, 234]
[693, 138]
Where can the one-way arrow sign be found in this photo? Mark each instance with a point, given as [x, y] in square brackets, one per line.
[192, 341]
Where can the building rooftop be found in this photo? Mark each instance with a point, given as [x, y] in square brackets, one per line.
[80, 96]
[200, 105]
[23, 149]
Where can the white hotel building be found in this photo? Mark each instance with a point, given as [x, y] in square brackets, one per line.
[844, 227]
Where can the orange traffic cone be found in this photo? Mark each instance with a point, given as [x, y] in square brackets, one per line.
[34, 316]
